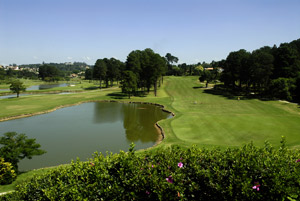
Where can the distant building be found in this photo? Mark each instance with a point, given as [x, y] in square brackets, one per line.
[69, 63]
[73, 75]
[13, 67]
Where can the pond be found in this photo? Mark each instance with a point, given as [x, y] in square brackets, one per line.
[46, 86]
[81, 130]
[35, 94]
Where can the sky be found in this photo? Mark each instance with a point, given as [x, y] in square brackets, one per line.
[36, 31]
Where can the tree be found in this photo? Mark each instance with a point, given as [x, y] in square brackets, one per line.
[129, 83]
[281, 88]
[170, 60]
[16, 147]
[236, 68]
[88, 74]
[113, 70]
[206, 75]
[48, 72]
[261, 69]
[17, 86]
[100, 70]
[286, 62]
[2, 73]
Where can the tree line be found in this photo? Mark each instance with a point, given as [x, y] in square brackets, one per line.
[142, 70]
[272, 72]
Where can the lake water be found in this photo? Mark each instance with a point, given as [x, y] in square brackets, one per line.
[81, 130]
[46, 86]
[42, 86]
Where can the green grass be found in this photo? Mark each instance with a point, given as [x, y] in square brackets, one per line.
[201, 118]
[214, 120]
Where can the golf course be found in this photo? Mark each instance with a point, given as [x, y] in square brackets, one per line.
[201, 118]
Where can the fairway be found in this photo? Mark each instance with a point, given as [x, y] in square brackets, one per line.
[206, 119]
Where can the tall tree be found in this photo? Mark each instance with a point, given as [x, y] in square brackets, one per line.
[100, 70]
[287, 62]
[88, 74]
[113, 70]
[237, 68]
[129, 83]
[261, 69]
[170, 61]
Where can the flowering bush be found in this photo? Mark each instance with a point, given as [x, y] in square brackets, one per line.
[245, 173]
[7, 172]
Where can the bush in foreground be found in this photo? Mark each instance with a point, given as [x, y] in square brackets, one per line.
[245, 173]
[7, 172]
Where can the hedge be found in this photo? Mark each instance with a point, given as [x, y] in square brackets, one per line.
[244, 173]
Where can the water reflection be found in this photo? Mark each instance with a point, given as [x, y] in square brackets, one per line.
[81, 130]
[46, 86]
[139, 120]
[108, 113]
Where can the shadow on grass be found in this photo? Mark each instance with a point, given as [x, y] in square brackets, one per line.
[91, 88]
[120, 95]
[198, 87]
[117, 95]
[231, 94]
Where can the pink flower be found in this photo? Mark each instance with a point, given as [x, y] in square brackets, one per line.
[180, 165]
[170, 180]
[256, 186]
[92, 164]
[147, 192]
[298, 161]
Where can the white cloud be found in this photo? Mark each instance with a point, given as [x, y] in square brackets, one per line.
[69, 58]
[35, 57]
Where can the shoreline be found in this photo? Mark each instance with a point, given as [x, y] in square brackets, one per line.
[159, 128]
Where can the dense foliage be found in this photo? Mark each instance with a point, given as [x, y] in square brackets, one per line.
[148, 66]
[49, 73]
[245, 173]
[15, 147]
[145, 69]
[7, 172]
[272, 72]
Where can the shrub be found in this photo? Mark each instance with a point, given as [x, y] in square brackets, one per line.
[245, 173]
[7, 172]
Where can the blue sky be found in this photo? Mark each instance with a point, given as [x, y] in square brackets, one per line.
[33, 31]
